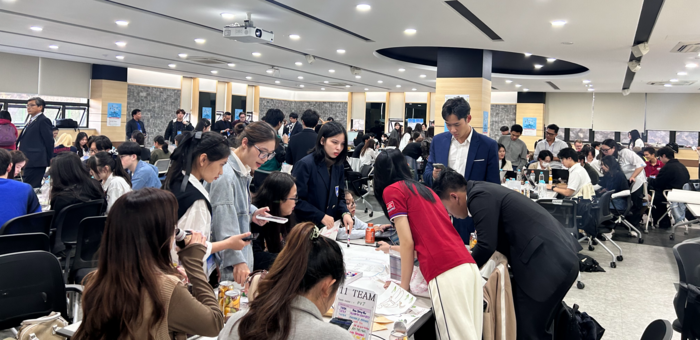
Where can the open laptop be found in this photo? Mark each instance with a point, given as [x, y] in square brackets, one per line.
[560, 175]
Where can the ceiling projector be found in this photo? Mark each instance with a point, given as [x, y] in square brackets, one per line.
[248, 33]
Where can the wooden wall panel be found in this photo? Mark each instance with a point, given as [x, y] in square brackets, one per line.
[103, 92]
[479, 91]
[229, 93]
[530, 110]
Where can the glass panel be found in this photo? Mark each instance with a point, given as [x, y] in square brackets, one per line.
[25, 96]
[561, 134]
[603, 135]
[75, 113]
[659, 138]
[18, 113]
[51, 112]
[582, 134]
[687, 138]
[625, 138]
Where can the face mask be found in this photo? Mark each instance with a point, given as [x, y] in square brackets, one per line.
[545, 164]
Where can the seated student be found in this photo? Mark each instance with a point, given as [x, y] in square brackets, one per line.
[278, 192]
[503, 163]
[654, 165]
[544, 159]
[70, 184]
[359, 147]
[578, 177]
[392, 143]
[18, 198]
[179, 138]
[107, 168]
[592, 173]
[204, 125]
[64, 144]
[614, 179]
[672, 176]
[541, 254]
[143, 175]
[160, 149]
[358, 229]
[589, 152]
[81, 144]
[99, 143]
[368, 154]
[153, 303]
[291, 299]
[140, 139]
[19, 160]
[453, 278]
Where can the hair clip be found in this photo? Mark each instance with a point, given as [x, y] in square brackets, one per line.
[315, 233]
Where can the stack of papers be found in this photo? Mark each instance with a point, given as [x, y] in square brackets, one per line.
[396, 304]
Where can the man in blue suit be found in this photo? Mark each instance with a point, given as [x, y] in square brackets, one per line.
[464, 150]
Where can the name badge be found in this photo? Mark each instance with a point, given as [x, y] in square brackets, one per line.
[179, 132]
[336, 191]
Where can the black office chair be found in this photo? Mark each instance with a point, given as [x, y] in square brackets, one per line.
[32, 286]
[31, 223]
[23, 242]
[687, 256]
[620, 218]
[565, 212]
[85, 261]
[658, 330]
[68, 220]
[605, 215]
[360, 185]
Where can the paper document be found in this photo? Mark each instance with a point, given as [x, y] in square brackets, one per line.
[330, 233]
[394, 300]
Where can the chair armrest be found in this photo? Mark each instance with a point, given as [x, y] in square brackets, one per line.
[666, 193]
[74, 288]
[623, 193]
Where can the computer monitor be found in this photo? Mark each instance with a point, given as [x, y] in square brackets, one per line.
[351, 137]
[559, 175]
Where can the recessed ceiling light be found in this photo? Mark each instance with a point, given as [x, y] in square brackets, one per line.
[551, 60]
[538, 66]
[691, 65]
[363, 7]
[358, 77]
[586, 81]
[508, 81]
[325, 81]
[172, 65]
[300, 77]
[410, 31]
[256, 54]
[674, 80]
[422, 76]
[120, 43]
[249, 77]
[682, 73]
[182, 55]
[301, 85]
[277, 81]
[525, 90]
[231, 65]
[200, 40]
[567, 42]
[366, 89]
[294, 36]
[227, 16]
[331, 71]
[270, 70]
[341, 51]
[298, 63]
[36, 28]
[120, 57]
[527, 54]
[398, 85]
[591, 89]
[122, 23]
[518, 85]
[323, 89]
[558, 23]
[668, 85]
[214, 71]
[379, 81]
[413, 89]
[53, 47]
[402, 69]
[347, 85]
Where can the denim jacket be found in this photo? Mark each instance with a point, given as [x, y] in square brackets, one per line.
[231, 214]
[145, 176]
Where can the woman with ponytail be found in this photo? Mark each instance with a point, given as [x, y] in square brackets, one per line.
[106, 167]
[160, 149]
[291, 299]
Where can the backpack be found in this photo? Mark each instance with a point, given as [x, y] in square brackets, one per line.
[8, 137]
[571, 324]
[66, 124]
[588, 264]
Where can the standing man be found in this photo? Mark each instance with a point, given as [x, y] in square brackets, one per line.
[242, 118]
[224, 126]
[552, 144]
[177, 126]
[36, 142]
[464, 150]
[516, 150]
[301, 143]
[541, 253]
[135, 124]
[505, 131]
[294, 127]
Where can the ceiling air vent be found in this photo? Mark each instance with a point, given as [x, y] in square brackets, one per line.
[686, 47]
[334, 84]
[207, 60]
[678, 83]
[554, 86]
[493, 88]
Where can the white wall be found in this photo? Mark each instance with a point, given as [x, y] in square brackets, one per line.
[504, 98]
[673, 111]
[64, 78]
[321, 96]
[239, 89]
[569, 110]
[615, 112]
[359, 105]
[186, 94]
[376, 97]
[207, 85]
[275, 93]
[397, 107]
[150, 78]
[416, 97]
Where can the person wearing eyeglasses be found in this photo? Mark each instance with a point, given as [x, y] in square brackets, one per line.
[552, 144]
[37, 142]
[232, 210]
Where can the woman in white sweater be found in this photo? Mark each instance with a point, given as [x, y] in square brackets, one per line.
[369, 154]
[406, 138]
[106, 167]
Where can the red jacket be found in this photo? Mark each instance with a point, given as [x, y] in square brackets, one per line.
[6, 122]
[653, 170]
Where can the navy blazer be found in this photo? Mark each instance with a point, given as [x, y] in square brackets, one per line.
[319, 194]
[36, 142]
[482, 160]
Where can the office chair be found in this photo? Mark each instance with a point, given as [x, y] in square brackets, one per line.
[23, 242]
[604, 215]
[90, 233]
[31, 223]
[360, 186]
[649, 201]
[686, 301]
[163, 165]
[565, 212]
[658, 330]
[68, 220]
[620, 215]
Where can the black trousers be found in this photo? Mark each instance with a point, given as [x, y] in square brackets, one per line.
[637, 207]
[33, 176]
[533, 317]
[658, 210]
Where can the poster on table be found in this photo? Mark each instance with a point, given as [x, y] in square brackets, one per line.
[486, 123]
[529, 126]
[450, 96]
[114, 114]
[206, 113]
[392, 122]
[358, 305]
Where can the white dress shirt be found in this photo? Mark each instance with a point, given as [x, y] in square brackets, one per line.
[578, 177]
[369, 157]
[197, 218]
[554, 148]
[114, 187]
[459, 152]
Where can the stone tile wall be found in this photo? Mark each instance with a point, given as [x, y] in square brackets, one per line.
[501, 114]
[157, 105]
[337, 110]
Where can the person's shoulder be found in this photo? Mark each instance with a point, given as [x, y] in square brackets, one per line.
[15, 186]
[442, 136]
[487, 140]
[325, 330]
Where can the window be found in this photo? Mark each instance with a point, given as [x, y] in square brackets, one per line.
[654, 137]
[56, 108]
[561, 134]
[582, 134]
[77, 113]
[624, 138]
[687, 138]
[603, 135]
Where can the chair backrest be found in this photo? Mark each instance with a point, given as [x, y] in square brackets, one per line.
[89, 238]
[23, 242]
[564, 210]
[162, 165]
[32, 286]
[366, 170]
[604, 213]
[688, 258]
[658, 330]
[694, 185]
[31, 223]
[69, 218]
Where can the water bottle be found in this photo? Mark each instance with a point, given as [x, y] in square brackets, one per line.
[541, 177]
[532, 178]
[541, 189]
[520, 178]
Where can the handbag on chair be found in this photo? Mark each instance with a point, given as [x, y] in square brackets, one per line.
[43, 328]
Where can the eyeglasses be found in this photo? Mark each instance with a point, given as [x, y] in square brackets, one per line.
[264, 155]
[605, 150]
[31, 105]
[295, 199]
[551, 134]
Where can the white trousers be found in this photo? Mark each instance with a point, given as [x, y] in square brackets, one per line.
[458, 303]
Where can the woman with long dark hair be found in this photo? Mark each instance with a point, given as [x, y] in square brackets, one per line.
[430, 134]
[636, 142]
[279, 193]
[19, 161]
[135, 293]
[204, 125]
[81, 143]
[613, 179]
[291, 299]
[419, 129]
[423, 226]
[106, 167]
[160, 149]
[406, 138]
[503, 163]
[320, 178]
[633, 167]
[368, 153]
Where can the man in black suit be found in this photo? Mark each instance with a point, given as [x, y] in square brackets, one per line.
[542, 256]
[224, 126]
[673, 175]
[36, 142]
[294, 127]
[135, 124]
[301, 143]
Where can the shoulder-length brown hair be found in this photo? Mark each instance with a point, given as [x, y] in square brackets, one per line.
[133, 257]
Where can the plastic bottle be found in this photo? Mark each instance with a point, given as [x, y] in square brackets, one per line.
[550, 177]
[532, 178]
[520, 177]
[542, 177]
[541, 189]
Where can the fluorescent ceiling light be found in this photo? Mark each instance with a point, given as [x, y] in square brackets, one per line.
[347, 85]
[413, 89]
[231, 65]
[518, 85]
[200, 40]
[277, 81]
[682, 73]
[527, 54]
[363, 7]
[422, 76]
[294, 36]
[551, 60]
[591, 89]
[120, 43]
[249, 77]
[379, 81]
[214, 72]
[182, 55]
[172, 65]
[331, 71]
[270, 70]
[525, 90]
[325, 81]
[668, 85]
[409, 31]
[256, 54]
[691, 65]
[36, 28]
[53, 47]
[323, 89]
[122, 23]
[586, 81]
[341, 51]
[558, 23]
[398, 86]
[298, 63]
[674, 80]
[366, 89]
[120, 57]
[538, 66]
[301, 85]
[300, 77]
[402, 69]
[227, 16]
[508, 81]
[358, 77]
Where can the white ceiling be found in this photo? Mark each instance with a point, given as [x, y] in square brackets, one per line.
[602, 32]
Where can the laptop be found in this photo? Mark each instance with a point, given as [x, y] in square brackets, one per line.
[560, 175]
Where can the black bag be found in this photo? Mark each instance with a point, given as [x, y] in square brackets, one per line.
[588, 264]
[66, 124]
[571, 324]
[588, 222]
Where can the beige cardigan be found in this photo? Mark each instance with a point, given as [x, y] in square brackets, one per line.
[499, 314]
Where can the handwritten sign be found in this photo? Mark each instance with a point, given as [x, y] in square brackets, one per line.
[358, 305]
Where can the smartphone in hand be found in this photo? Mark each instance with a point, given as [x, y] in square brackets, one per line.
[253, 236]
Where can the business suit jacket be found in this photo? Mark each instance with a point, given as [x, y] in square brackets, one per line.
[296, 129]
[132, 125]
[36, 142]
[540, 252]
[300, 145]
[319, 193]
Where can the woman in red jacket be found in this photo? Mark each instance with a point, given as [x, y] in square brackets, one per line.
[8, 132]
